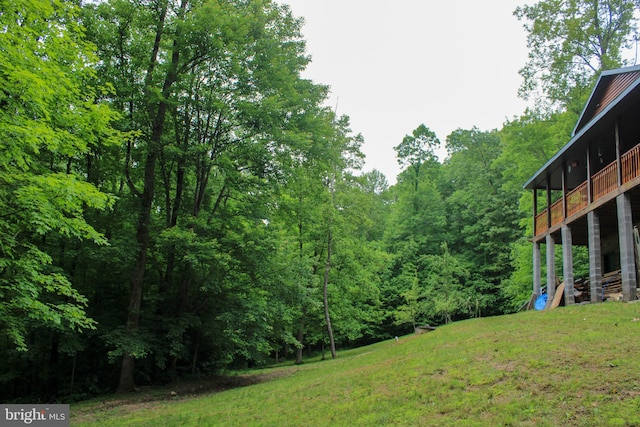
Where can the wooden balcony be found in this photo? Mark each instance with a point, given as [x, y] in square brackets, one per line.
[557, 212]
[630, 164]
[577, 199]
[602, 183]
[605, 181]
[541, 222]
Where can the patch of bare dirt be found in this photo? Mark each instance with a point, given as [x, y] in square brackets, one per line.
[218, 384]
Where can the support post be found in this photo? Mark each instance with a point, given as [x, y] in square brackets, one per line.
[535, 212]
[589, 189]
[627, 256]
[564, 191]
[551, 270]
[618, 152]
[537, 279]
[595, 256]
[548, 204]
[567, 265]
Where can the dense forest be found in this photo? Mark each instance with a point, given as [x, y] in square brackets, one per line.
[176, 200]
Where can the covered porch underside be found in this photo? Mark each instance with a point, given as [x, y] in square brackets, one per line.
[607, 211]
[606, 228]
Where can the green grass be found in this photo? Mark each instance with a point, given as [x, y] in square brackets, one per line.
[574, 366]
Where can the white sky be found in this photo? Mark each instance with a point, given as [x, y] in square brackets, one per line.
[393, 65]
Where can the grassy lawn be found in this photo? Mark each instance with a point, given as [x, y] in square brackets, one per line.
[574, 366]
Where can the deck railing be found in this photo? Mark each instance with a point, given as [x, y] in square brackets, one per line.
[557, 212]
[630, 164]
[605, 181]
[602, 183]
[541, 222]
[578, 199]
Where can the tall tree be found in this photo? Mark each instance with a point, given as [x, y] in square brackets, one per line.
[483, 216]
[416, 223]
[158, 89]
[418, 213]
[570, 42]
[416, 150]
[49, 121]
[216, 94]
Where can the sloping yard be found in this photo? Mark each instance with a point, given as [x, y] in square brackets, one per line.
[573, 366]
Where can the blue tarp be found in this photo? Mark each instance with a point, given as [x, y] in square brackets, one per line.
[541, 302]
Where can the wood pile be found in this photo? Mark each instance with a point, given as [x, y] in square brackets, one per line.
[611, 288]
[582, 291]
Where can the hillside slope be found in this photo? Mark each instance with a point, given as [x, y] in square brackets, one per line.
[575, 366]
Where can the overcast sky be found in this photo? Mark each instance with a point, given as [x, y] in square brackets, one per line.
[393, 65]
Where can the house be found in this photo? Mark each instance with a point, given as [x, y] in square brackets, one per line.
[588, 193]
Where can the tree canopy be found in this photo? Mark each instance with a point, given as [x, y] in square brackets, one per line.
[177, 200]
[571, 42]
[49, 122]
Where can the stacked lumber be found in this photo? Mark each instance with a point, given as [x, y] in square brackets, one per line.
[612, 286]
[611, 290]
[582, 291]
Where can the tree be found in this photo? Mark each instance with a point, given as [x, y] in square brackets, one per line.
[214, 92]
[413, 305]
[417, 214]
[526, 143]
[416, 222]
[49, 120]
[446, 294]
[570, 42]
[483, 215]
[416, 150]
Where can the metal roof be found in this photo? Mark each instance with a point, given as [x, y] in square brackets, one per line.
[611, 89]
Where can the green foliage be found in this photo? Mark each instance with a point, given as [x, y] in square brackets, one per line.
[518, 287]
[483, 372]
[465, 204]
[412, 308]
[35, 294]
[570, 43]
[49, 121]
[216, 220]
[418, 148]
[481, 205]
[444, 278]
[529, 141]
[417, 218]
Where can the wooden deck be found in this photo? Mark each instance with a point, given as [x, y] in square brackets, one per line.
[602, 183]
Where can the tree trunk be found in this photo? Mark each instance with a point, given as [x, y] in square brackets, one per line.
[300, 347]
[127, 382]
[195, 358]
[157, 113]
[325, 295]
[183, 304]
[73, 371]
[304, 310]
